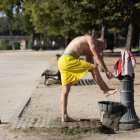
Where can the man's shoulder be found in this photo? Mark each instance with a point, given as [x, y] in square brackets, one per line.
[85, 36]
[88, 36]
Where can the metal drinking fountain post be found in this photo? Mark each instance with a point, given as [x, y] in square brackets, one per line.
[129, 120]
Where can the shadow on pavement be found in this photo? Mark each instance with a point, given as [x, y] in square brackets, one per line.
[85, 82]
[4, 122]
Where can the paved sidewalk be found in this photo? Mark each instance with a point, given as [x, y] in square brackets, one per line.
[83, 104]
[45, 101]
[20, 73]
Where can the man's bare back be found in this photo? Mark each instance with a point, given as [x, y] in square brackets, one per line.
[87, 45]
[79, 46]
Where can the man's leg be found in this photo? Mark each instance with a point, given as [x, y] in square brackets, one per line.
[98, 79]
[64, 102]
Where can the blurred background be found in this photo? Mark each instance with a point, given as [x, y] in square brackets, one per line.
[52, 24]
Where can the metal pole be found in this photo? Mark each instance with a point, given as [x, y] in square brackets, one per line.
[129, 120]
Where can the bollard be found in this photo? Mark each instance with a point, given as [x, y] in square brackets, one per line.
[129, 120]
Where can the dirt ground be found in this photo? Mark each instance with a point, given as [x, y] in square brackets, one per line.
[83, 103]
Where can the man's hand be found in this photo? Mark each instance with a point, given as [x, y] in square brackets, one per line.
[110, 91]
[109, 74]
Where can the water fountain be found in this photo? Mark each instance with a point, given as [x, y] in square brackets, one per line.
[121, 114]
[129, 120]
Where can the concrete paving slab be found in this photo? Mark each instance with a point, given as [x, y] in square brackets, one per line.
[20, 109]
[20, 73]
[2, 136]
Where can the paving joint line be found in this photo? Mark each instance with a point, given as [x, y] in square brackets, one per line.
[21, 108]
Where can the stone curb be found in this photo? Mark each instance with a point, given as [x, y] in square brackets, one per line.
[20, 109]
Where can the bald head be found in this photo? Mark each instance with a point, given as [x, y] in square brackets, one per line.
[101, 44]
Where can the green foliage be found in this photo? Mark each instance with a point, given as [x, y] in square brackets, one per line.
[69, 18]
[42, 15]
[7, 6]
[84, 15]
[3, 45]
[17, 46]
[4, 24]
[23, 23]
[30, 44]
[77, 16]
[8, 46]
[12, 9]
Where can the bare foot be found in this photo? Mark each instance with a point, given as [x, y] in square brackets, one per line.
[66, 118]
[110, 91]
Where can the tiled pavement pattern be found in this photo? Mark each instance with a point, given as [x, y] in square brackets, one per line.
[25, 123]
[85, 82]
[81, 82]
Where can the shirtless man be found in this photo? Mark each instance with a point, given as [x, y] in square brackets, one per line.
[72, 69]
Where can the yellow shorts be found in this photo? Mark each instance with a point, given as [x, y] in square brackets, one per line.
[72, 69]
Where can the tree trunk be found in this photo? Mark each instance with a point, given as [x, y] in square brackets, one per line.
[103, 30]
[115, 38]
[131, 29]
[102, 36]
[33, 35]
[10, 31]
[40, 41]
[93, 33]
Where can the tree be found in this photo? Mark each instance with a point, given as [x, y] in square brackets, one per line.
[3, 25]
[22, 22]
[128, 12]
[43, 16]
[74, 17]
[10, 30]
[7, 8]
[132, 23]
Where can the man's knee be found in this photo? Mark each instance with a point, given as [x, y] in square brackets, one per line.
[65, 90]
[94, 68]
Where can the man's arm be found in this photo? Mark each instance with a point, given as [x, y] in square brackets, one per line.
[98, 57]
[96, 54]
